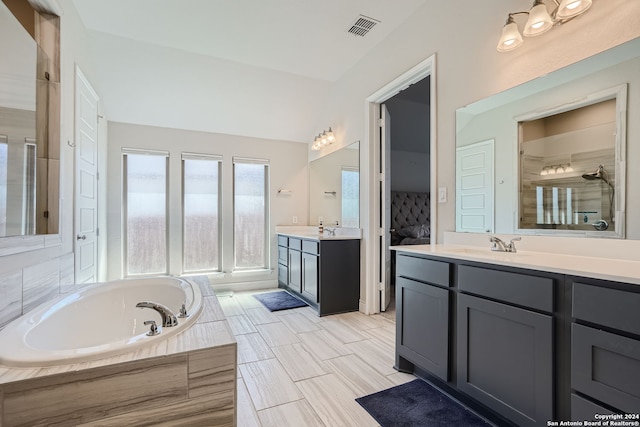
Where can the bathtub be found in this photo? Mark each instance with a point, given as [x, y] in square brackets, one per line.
[99, 321]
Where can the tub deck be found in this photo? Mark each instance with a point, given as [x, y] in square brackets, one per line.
[189, 376]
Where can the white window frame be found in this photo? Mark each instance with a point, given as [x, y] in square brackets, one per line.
[218, 159]
[267, 207]
[125, 152]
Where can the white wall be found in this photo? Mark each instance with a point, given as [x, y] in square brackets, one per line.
[287, 168]
[166, 87]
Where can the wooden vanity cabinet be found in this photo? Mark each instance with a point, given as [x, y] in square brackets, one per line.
[325, 273]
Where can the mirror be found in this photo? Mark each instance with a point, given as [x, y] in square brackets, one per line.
[548, 157]
[334, 188]
[29, 94]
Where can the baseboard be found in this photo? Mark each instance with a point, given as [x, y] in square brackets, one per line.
[244, 286]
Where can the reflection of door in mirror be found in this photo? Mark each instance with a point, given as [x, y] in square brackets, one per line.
[558, 155]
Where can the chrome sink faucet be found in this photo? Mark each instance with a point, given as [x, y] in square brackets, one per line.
[330, 231]
[168, 318]
[500, 246]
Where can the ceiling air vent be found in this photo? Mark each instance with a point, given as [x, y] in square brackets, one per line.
[362, 26]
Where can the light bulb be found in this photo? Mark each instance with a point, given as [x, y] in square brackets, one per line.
[510, 38]
[571, 8]
[539, 21]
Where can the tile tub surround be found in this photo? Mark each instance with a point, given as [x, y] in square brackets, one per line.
[190, 377]
[23, 289]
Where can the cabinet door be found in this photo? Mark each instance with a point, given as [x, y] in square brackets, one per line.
[606, 366]
[505, 359]
[423, 325]
[295, 270]
[310, 276]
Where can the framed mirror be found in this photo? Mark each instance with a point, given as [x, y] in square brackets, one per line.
[334, 188]
[29, 125]
[554, 152]
[572, 163]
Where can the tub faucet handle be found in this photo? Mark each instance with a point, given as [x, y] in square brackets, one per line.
[183, 311]
[168, 318]
[153, 330]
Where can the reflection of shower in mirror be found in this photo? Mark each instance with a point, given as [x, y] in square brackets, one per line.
[601, 174]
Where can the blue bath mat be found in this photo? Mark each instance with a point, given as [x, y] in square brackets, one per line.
[280, 300]
[417, 403]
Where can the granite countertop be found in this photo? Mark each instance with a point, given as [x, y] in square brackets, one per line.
[617, 270]
[210, 330]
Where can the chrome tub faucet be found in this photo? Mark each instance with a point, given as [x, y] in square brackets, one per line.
[500, 246]
[168, 318]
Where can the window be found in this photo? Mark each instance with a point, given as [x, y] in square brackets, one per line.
[145, 212]
[201, 212]
[350, 197]
[29, 185]
[251, 213]
[3, 185]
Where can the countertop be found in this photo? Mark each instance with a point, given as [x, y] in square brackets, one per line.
[210, 330]
[626, 271]
[311, 233]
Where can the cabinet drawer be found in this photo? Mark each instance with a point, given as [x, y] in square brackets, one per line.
[295, 243]
[310, 247]
[583, 409]
[522, 289]
[608, 307]
[282, 255]
[606, 366]
[424, 270]
[283, 241]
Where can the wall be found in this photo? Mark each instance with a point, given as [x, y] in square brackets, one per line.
[469, 67]
[30, 278]
[288, 169]
[410, 171]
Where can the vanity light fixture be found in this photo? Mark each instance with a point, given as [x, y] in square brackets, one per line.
[556, 169]
[540, 21]
[323, 139]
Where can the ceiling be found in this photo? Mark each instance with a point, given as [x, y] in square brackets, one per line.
[303, 37]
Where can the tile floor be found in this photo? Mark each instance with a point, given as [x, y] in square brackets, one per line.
[298, 369]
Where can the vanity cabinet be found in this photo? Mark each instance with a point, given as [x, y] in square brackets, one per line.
[521, 346]
[324, 272]
[422, 309]
[605, 348]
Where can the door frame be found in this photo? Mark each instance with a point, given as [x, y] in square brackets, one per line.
[370, 158]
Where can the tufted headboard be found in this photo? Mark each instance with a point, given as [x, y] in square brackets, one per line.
[409, 209]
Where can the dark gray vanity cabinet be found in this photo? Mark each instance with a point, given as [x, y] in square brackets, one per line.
[310, 270]
[422, 310]
[605, 349]
[504, 350]
[325, 273]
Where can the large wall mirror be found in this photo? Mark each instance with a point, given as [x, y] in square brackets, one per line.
[548, 157]
[29, 121]
[334, 188]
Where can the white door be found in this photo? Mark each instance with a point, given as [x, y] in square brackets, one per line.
[385, 208]
[86, 181]
[474, 187]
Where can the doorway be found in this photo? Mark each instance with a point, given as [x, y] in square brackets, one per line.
[378, 257]
[407, 183]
